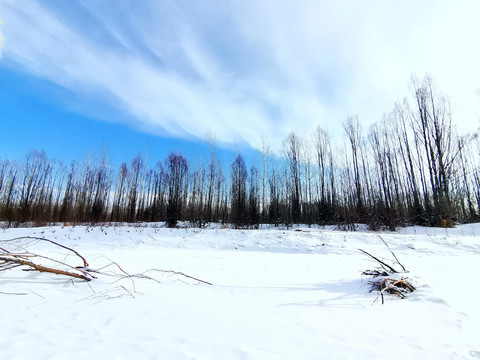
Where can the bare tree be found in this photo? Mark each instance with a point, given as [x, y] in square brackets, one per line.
[253, 199]
[433, 126]
[326, 179]
[291, 153]
[37, 169]
[212, 172]
[239, 192]
[265, 151]
[353, 132]
[134, 186]
[119, 199]
[177, 168]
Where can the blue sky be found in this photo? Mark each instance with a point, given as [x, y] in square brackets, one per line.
[161, 75]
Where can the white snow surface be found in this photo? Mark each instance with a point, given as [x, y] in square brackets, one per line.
[276, 294]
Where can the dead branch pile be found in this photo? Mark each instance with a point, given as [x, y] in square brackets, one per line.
[388, 279]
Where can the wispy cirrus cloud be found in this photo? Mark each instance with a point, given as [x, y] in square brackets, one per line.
[243, 68]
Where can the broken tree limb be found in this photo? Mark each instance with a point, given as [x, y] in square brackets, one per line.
[19, 252]
[85, 263]
[41, 268]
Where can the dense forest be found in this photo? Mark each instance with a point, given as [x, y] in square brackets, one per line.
[409, 168]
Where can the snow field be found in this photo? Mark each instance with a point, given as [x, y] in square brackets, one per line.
[276, 294]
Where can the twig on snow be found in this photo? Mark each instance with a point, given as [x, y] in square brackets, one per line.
[385, 266]
[393, 254]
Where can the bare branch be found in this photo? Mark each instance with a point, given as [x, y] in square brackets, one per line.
[85, 263]
[391, 252]
[41, 268]
[384, 265]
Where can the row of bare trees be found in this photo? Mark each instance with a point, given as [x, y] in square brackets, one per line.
[409, 168]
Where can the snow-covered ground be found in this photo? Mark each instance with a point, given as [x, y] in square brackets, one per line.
[276, 294]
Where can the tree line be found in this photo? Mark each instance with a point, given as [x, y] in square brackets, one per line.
[409, 168]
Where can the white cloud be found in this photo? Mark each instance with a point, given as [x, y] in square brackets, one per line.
[244, 68]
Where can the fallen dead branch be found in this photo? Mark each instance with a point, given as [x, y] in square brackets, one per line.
[85, 263]
[12, 261]
[386, 278]
[18, 253]
[20, 256]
